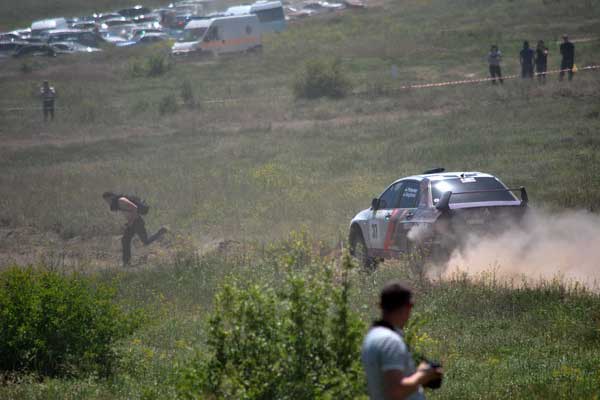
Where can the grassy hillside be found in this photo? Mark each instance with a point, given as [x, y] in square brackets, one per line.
[248, 162]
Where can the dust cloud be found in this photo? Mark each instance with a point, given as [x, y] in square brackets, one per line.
[547, 245]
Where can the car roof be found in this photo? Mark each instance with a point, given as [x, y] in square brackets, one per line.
[440, 176]
[59, 31]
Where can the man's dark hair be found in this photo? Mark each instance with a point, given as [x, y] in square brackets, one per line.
[526, 44]
[107, 195]
[395, 295]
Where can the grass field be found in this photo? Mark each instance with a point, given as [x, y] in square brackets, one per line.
[257, 164]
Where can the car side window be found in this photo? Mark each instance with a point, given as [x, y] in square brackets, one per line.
[410, 195]
[390, 197]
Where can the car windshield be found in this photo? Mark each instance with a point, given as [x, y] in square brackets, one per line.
[470, 184]
[192, 35]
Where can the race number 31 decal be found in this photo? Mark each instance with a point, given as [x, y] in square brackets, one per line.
[374, 231]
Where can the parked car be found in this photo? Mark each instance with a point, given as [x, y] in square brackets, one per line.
[135, 11]
[84, 25]
[139, 32]
[112, 22]
[35, 50]
[435, 211]
[220, 35]
[84, 37]
[148, 21]
[107, 16]
[8, 48]
[40, 28]
[10, 37]
[72, 47]
[148, 38]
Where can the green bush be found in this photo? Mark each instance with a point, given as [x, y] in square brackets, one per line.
[157, 65]
[322, 78]
[53, 324]
[154, 65]
[187, 94]
[299, 342]
[168, 105]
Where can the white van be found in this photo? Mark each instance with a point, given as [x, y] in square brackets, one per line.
[220, 35]
[269, 13]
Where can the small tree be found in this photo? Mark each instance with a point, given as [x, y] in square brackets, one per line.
[299, 342]
[322, 78]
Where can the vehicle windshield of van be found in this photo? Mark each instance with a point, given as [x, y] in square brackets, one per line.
[486, 186]
[192, 35]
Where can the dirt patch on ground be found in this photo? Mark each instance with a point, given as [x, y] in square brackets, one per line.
[29, 246]
[55, 139]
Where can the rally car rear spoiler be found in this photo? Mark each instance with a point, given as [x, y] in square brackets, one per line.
[444, 203]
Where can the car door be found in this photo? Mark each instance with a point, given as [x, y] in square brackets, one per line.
[408, 202]
[380, 218]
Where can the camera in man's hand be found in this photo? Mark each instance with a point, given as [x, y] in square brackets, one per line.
[435, 383]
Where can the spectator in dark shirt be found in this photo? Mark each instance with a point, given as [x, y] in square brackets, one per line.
[526, 58]
[567, 51]
[48, 95]
[541, 61]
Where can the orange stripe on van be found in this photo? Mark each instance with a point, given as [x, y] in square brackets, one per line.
[231, 42]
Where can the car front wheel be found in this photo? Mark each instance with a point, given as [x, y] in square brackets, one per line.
[360, 252]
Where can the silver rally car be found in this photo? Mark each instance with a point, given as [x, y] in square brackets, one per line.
[434, 211]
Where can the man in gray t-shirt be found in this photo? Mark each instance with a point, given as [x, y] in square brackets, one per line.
[388, 364]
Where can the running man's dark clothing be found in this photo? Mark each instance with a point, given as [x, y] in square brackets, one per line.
[137, 227]
[527, 57]
[567, 50]
[48, 96]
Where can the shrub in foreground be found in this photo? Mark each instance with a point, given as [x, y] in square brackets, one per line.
[322, 78]
[54, 324]
[299, 342]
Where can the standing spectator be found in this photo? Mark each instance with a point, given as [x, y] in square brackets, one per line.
[494, 59]
[541, 61]
[567, 51]
[526, 58]
[388, 363]
[48, 95]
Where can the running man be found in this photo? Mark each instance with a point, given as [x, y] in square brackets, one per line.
[134, 223]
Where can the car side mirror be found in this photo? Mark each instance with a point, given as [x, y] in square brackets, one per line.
[444, 203]
[374, 204]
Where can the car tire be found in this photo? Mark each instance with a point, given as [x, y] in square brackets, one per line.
[360, 252]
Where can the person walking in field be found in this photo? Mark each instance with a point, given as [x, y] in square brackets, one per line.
[387, 361]
[567, 51]
[48, 95]
[494, 58]
[541, 61]
[132, 208]
[526, 58]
